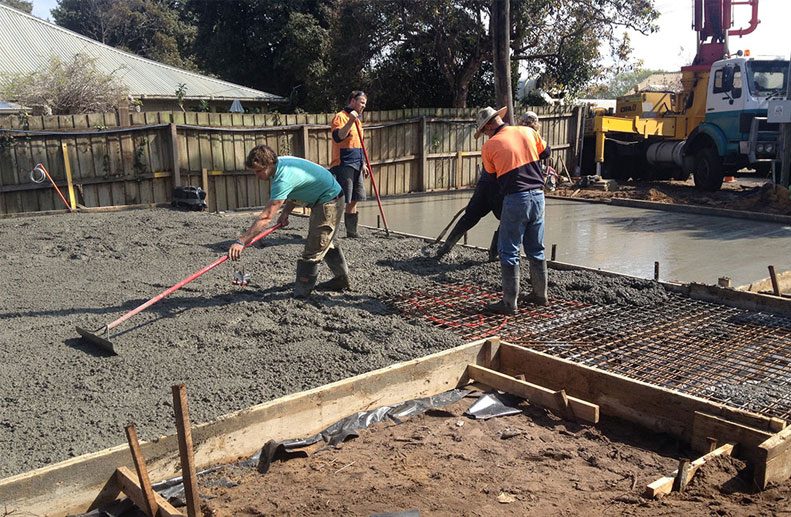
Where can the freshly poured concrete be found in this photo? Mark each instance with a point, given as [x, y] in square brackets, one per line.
[688, 247]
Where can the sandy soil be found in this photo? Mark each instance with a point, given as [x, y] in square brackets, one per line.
[233, 347]
[445, 464]
[746, 193]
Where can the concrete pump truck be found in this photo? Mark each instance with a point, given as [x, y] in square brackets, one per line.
[715, 126]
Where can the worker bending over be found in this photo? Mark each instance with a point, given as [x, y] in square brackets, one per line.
[348, 161]
[512, 155]
[298, 180]
[485, 198]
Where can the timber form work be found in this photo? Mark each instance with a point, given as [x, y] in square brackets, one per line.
[570, 390]
[114, 162]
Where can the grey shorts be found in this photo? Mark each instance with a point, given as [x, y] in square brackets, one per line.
[351, 181]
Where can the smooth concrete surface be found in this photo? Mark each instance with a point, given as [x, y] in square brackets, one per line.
[688, 247]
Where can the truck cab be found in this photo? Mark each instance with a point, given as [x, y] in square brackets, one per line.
[735, 133]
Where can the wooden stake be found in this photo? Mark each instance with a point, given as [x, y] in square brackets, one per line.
[554, 249]
[142, 471]
[539, 395]
[129, 486]
[773, 276]
[664, 485]
[656, 271]
[185, 450]
[680, 482]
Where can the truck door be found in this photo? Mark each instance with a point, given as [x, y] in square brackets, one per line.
[725, 101]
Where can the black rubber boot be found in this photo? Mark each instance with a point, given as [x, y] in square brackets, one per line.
[455, 234]
[307, 272]
[507, 305]
[494, 255]
[351, 224]
[337, 263]
[538, 280]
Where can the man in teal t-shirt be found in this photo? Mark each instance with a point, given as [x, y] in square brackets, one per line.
[298, 180]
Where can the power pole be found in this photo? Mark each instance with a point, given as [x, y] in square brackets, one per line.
[785, 169]
[501, 50]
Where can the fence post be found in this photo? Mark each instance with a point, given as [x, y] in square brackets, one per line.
[174, 153]
[305, 142]
[422, 155]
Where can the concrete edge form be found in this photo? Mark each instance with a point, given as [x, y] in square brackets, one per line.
[88, 481]
[702, 210]
[660, 409]
[682, 208]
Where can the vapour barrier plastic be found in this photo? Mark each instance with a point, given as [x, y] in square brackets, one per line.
[494, 404]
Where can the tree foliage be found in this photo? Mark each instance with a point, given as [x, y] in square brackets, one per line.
[65, 87]
[26, 6]
[403, 52]
[157, 29]
[620, 84]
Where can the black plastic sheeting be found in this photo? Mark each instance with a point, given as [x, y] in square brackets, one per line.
[173, 489]
[347, 428]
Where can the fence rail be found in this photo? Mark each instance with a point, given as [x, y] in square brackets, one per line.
[411, 150]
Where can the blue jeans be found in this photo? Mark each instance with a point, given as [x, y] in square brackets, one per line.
[522, 223]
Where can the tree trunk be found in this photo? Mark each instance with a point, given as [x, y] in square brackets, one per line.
[501, 56]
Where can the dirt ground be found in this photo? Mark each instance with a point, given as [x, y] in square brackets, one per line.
[747, 192]
[235, 347]
[443, 463]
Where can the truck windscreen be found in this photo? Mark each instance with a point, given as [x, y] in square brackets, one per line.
[767, 78]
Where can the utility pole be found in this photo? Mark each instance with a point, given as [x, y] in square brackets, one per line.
[785, 169]
[501, 50]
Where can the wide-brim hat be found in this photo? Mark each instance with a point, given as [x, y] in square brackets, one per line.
[485, 115]
[528, 116]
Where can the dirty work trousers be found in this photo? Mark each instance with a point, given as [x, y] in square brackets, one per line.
[486, 198]
[324, 221]
[522, 224]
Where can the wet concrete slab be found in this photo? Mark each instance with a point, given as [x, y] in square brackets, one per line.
[689, 247]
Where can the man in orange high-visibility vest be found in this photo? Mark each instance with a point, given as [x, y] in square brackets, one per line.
[348, 160]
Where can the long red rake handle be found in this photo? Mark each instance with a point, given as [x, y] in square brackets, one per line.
[371, 172]
[187, 280]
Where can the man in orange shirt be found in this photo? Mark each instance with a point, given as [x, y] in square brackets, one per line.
[512, 154]
[348, 161]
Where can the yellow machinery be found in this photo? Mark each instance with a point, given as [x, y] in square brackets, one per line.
[714, 126]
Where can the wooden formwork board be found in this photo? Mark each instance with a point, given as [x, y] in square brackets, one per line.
[85, 482]
[82, 483]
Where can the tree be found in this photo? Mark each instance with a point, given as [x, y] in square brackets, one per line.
[620, 84]
[26, 6]
[160, 30]
[66, 87]
[557, 39]
[560, 40]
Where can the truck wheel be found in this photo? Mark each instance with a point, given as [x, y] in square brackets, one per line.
[708, 170]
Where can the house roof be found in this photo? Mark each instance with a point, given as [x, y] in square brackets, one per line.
[27, 44]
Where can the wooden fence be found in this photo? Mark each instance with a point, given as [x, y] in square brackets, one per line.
[411, 150]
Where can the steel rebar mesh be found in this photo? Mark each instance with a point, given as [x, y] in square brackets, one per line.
[737, 357]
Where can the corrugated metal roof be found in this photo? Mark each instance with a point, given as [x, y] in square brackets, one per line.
[27, 44]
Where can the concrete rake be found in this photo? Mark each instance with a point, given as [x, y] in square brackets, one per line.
[101, 336]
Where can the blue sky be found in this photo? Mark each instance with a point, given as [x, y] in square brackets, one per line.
[674, 45]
